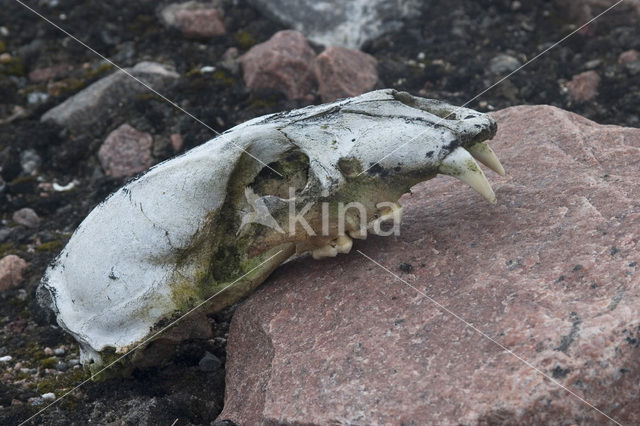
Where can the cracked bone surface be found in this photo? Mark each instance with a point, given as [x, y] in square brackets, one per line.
[189, 227]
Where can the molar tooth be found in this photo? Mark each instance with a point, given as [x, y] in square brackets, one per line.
[343, 244]
[360, 234]
[394, 213]
[484, 154]
[460, 164]
[326, 251]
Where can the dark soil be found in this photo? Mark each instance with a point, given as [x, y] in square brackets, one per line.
[443, 54]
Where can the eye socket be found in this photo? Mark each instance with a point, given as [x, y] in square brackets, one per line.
[294, 173]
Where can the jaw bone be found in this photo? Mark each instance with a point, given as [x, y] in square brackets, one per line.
[461, 165]
[484, 154]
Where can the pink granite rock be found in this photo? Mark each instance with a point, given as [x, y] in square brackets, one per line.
[628, 56]
[551, 273]
[41, 75]
[343, 73]
[584, 86]
[283, 63]
[581, 11]
[195, 20]
[126, 152]
[11, 269]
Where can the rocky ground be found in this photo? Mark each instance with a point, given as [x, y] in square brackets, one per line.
[59, 170]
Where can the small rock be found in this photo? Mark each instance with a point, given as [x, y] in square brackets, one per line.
[126, 151]
[84, 111]
[584, 86]
[5, 58]
[11, 269]
[73, 362]
[41, 75]
[59, 351]
[49, 396]
[633, 67]
[35, 98]
[209, 362]
[61, 366]
[230, 60]
[195, 20]
[343, 72]
[48, 351]
[6, 358]
[503, 64]
[29, 161]
[3, 185]
[176, 142]
[35, 401]
[628, 56]
[26, 217]
[283, 63]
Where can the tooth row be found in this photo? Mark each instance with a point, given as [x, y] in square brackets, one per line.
[461, 165]
[342, 244]
[394, 213]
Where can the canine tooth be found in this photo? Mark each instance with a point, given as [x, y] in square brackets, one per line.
[344, 244]
[326, 251]
[460, 164]
[484, 154]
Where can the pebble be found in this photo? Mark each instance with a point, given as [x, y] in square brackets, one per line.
[6, 358]
[126, 151]
[61, 366]
[30, 161]
[633, 67]
[26, 217]
[11, 269]
[176, 142]
[209, 362]
[503, 64]
[37, 98]
[48, 351]
[59, 351]
[3, 185]
[628, 56]
[5, 58]
[584, 86]
[194, 20]
[49, 396]
[73, 362]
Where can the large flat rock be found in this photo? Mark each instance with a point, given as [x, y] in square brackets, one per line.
[550, 273]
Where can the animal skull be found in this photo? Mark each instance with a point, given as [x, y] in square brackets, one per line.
[190, 226]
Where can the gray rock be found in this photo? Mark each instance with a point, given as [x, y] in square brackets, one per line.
[338, 22]
[86, 110]
[26, 217]
[503, 64]
[209, 362]
[30, 161]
